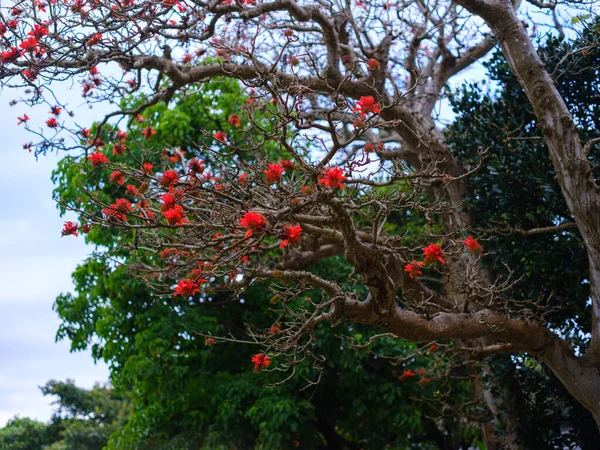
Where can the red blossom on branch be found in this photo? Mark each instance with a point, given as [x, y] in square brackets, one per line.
[97, 159]
[407, 374]
[332, 178]
[185, 288]
[220, 136]
[291, 235]
[169, 177]
[260, 361]
[117, 177]
[273, 173]
[473, 245]
[175, 215]
[367, 105]
[254, 222]
[70, 228]
[433, 253]
[413, 268]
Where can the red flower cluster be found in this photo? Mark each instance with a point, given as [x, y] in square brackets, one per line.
[70, 228]
[186, 288]
[291, 235]
[473, 245]
[220, 136]
[118, 210]
[332, 178]
[367, 105]
[407, 374]
[373, 64]
[254, 222]
[196, 165]
[260, 361]
[175, 215]
[413, 268]
[433, 253]
[148, 132]
[117, 177]
[169, 177]
[97, 159]
[273, 173]
[234, 120]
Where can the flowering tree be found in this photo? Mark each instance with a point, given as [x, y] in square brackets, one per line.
[350, 92]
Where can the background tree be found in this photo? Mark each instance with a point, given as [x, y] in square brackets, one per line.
[351, 79]
[83, 420]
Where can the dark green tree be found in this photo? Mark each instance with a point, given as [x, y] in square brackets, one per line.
[517, 203]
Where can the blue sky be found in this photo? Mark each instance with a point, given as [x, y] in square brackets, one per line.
[35, 267]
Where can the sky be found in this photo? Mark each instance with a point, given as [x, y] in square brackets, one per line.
[35, 268]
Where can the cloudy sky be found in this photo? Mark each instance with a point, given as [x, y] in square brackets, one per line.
[35, 267]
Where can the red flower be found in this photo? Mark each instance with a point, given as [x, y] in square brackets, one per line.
[254, 222]
[168, 201]
[433, 348]
[243, 179]
[39, 31]
[196, 165]
[185, 288]
[220, 136]
[69, 228]
[97, 159]
[147, 167]
[433, 253]
[260, 361]
[117, 177]
[273, 173]
[407, 374]
[274, 329]
[94, 39]
[369, 148]
[23, 119]
[291, 235]
[132, 190]
[122, 135]
[55, 110]
[373, 64]
[332, 178]
[234, 120]
[473, 245]
[367, 105]
[413, 269]
[169, 177]
[424, 381]
[51, 122]
[11, 55]
[118, 210]
[175, 215]
[119, 148]
[29, 45]
[287, 164]
[209, 342]
[148, 132]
